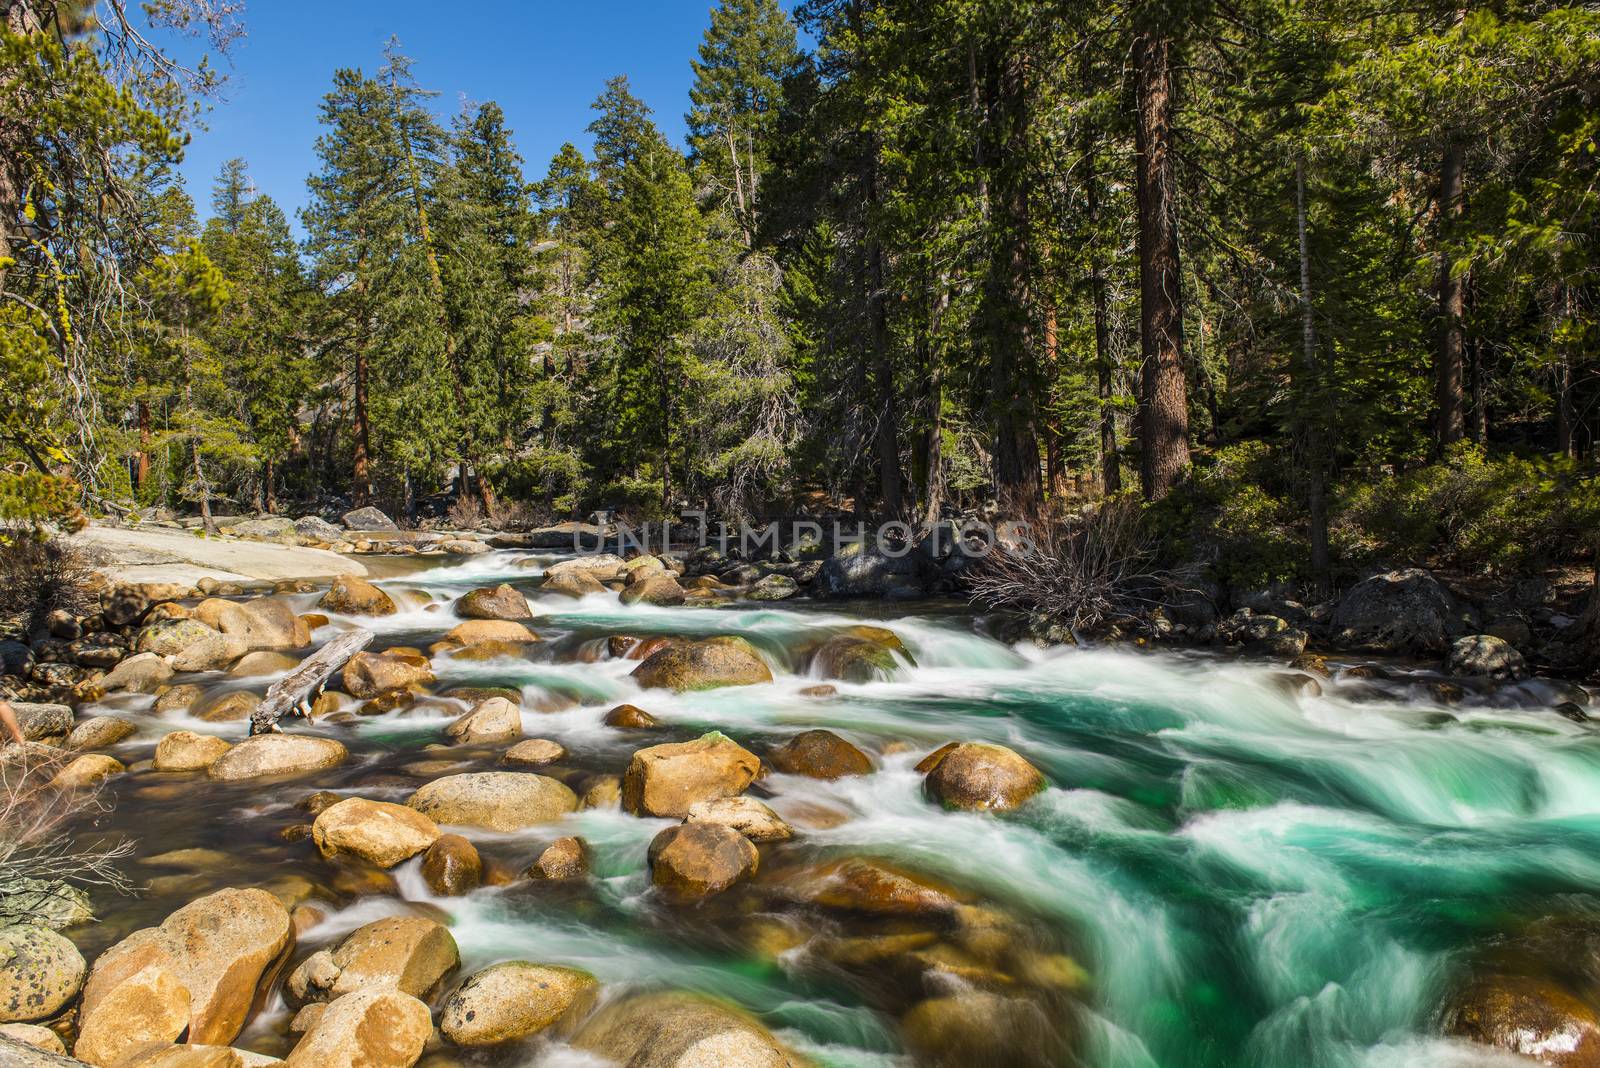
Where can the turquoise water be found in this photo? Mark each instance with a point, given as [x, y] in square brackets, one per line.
[1247, 874]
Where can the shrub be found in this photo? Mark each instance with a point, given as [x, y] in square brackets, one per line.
[39, 575]
[1234, 515]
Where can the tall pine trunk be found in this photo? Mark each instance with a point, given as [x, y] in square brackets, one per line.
[886, 442]
[1316, 453]
[361, 468]
[1164, 410]
[1449, 394]
[1110, 461]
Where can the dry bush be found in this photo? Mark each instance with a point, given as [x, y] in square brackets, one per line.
[512, 515]
[466, 513]
[37, 850]
[1080, 571]
[39, 575]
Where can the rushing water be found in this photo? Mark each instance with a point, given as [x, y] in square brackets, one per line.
[1247, 873]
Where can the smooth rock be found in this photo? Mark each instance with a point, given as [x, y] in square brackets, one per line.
[140, 673]
[693, 861]
[680, 1030]
[661, 589]
[565, 858]
[228, 708]
[376, 1028]
[703, 665]
[87, 770]
[366, 675]
[451, 866]
[100, 732]
[629, 717]
[514, 999]
[1485, 656]
[493, 602]
[263, 662]
[353, 596]
[749, 817]
[572, 584]
[535, 752]
[489, 630]
[979, 776]
[188, 751]
[819, 754]
[411, 954]
[368, 518]
[492, 720]
[33, 1035]
[494, 800]
[376, 831]
[277, 754]
[40, 972]
[1404, 611]
[664, 780]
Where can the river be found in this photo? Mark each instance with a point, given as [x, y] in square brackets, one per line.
[1228, 868]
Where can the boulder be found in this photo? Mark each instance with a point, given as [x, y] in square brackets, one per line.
[276, 754]
[212, 653]
[856, 571]
[411, 954]
[52, 903]
[693, 861]
[169, 637]
[572, 584]
[977, 1027]
[188, 751]
[865, 654]
[41, 722]
[40, 973]
[316, 528]
[629, 717]
[746, 815]
[269, 528]
[494, 800]
[197, 1056]
[515, 999]
[664, 780]
[99, 732]
[493, 602]
[819, 754]
[1485, 656]
[140, 673]
[1406, 611]
[877, 889]
[451, 866]
[207, 959]
[263, 662]
[490, 630]
[87, 770]
[180, 698]
[229, 707]
[1533, 1017]
[565, 858]
[680, 1030]
[980, 776]
[600, 566]
[772, 588]
[367, 675]
[657, 589]
[491, 720]
[376, 1028]
[353, 596]
[368, 518]
[464, 547]
[376, 831]
[265, 623]
[535, 752]
[33, 1035]
[703, 665]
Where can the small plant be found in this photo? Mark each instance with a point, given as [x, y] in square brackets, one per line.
[1080, 571]
[39, 575]
[466, 513]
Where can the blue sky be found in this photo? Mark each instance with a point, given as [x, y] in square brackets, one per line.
[543, 61]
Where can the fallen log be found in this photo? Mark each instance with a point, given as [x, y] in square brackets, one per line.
[297, 689]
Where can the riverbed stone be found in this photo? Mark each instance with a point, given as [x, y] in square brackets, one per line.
[494, 800]
[749, 817]
[229, 707]
[277, 754]
[40, 972]
[411, 954]
[664, 780]
[180, 698]
[1485, 656]
[603, 792]
[52, 903]
[629, 717]
[979, 776]
[491, 720]
[263, 662]
[317, 529]
[41, 721]
[489, 630]
[572, 584]
[693, 861]
[213, 652]
[976, 1027]
[672, 1029]
[376, 831]
[168, 637]
[86, 771]
[366, 675]
[1527, 1015]
[189, 751]
[451, 866]
[876, 888]
[601, 566]
[703, 665]
[658, 589]
[565, 858]
[353, 596]
[140, 673]
[535, 752]
[198, 1056]
[262, 623]
[819, 754]
[100, 732]
[209, 957]
[34, 1035]
[515, 999]
[377, 1028]
[494, 602]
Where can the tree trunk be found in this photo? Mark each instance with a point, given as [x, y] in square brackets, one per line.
[1110, 461]
[1316, 459]
[269, 499]
[361, 470]
[141, 463]
[1449, 397]
[887, 434]
[1164, 413]
[203, 488]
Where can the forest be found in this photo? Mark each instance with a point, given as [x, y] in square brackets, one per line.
[1315, 280]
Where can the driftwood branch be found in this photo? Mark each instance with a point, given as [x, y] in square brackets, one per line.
[302, 684]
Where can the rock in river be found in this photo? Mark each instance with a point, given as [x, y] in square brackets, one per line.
[376, 1028]
[492, 720]
[494, 800]
[1529, 1016]
[369, 674]
[664, 780]
[451, 866]
[352, 596]
[819, 754]
[277, 754]
[411, 954]
[980, 776]
[40, 972]
[188, 751]
[514, 999]
[703, 665]
[493, 602]
[679, 1030]
[376, 831]
[746, 815]
[692, 861]
[1486, 656]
